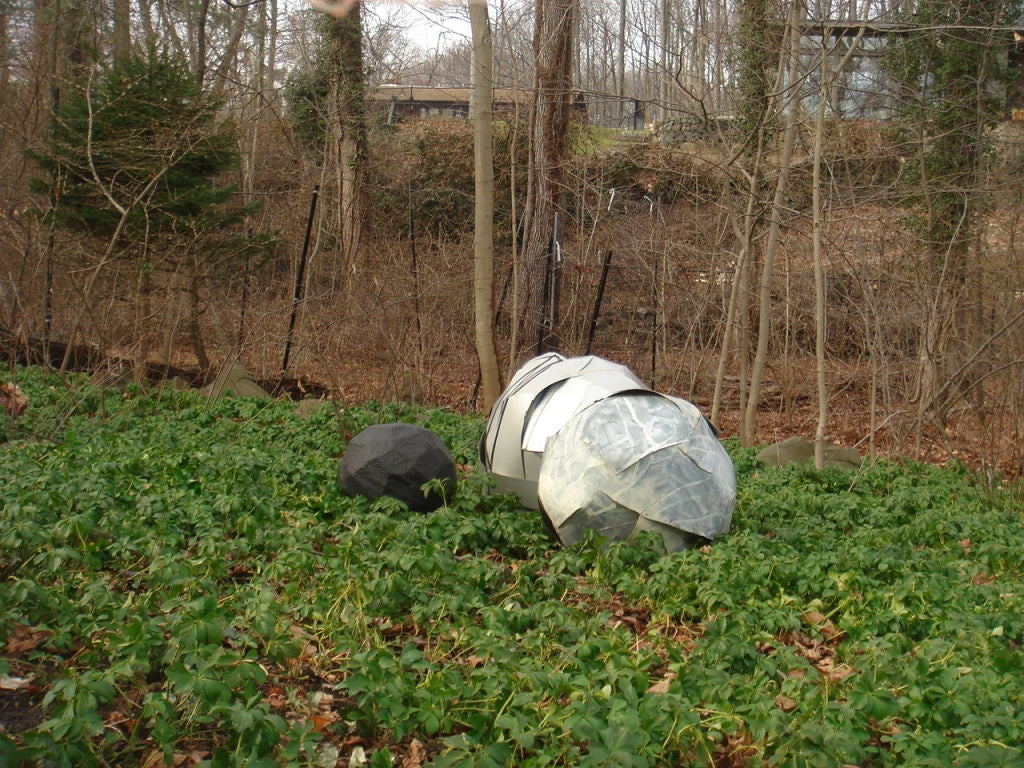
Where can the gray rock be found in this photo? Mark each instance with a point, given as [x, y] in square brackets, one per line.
[396, 460]
[176, 382]
[797, 450]
[234, 380]
[310, 406]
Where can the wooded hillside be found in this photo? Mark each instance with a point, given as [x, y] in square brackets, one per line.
[188, 187]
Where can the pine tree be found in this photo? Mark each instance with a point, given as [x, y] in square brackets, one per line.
[138, 152]
[134, 161]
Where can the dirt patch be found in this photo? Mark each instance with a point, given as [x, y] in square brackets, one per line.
[21, 710]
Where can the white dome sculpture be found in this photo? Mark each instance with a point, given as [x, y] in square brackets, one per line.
[638, 462]
[591, 446]
[541, 397]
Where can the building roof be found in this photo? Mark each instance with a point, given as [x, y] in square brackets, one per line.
[431, 95]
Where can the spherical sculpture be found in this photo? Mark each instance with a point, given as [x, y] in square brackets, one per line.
[542, 396]
[638, 462]
[594, 448]
[396, 460]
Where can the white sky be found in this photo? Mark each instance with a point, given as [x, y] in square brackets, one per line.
[430, 24]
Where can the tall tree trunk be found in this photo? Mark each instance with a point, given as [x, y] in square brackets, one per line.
[223, 75]
[819, 269]
[195, 332]
[664, 58]
[759, 78]
[146, 21]
[345, 38]
[143, 319]
[122, 37]
[749, 426]
[620, 63]
[199, 63]
[483, 231]
[5, 48]
[737, 310]
[552, 85]
[828, 76]
[271, 50]
[758, 60]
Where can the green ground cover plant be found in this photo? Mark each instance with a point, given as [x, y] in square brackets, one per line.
[183, 584]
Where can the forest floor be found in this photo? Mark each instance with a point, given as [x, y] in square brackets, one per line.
[353, 367]
[896, 430]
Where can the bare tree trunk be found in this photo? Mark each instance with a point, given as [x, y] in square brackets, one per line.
[700, 51]
[170, 35]
[749, 427]
[142, 320]
[664, 75]
[195, 333]
[483, 231]
[5, 53]
[620, 63]
[146, 21]
[819, 273]
[122, 40]
[345, 36]
[736, 310]
[199, 64]
[171, 316]
[271, 48]
[222, 75]
[552, 48]
[516, 261]
[827, 76]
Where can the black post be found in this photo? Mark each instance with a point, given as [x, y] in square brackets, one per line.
[415, 277]
[547, 335]
[543, 331]
[300, 276]
[554, 336]
[598, 299]
[654, 323]
[503, 296]
[245, 297]
[48, 297]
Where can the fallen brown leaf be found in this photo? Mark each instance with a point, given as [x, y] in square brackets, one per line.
[10, 683]
[24, 638]
[14, 401]
[415, 756]
[822, 623]
[663, 685]
[276, 698]
[320, 722]
[838, 673]
[195, 757]
[814, 618]
[785, 703]
[324, 700]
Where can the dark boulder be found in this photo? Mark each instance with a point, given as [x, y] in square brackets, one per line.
[396, 460]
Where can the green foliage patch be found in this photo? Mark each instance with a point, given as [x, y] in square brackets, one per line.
[183, 581]
[139, 151]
